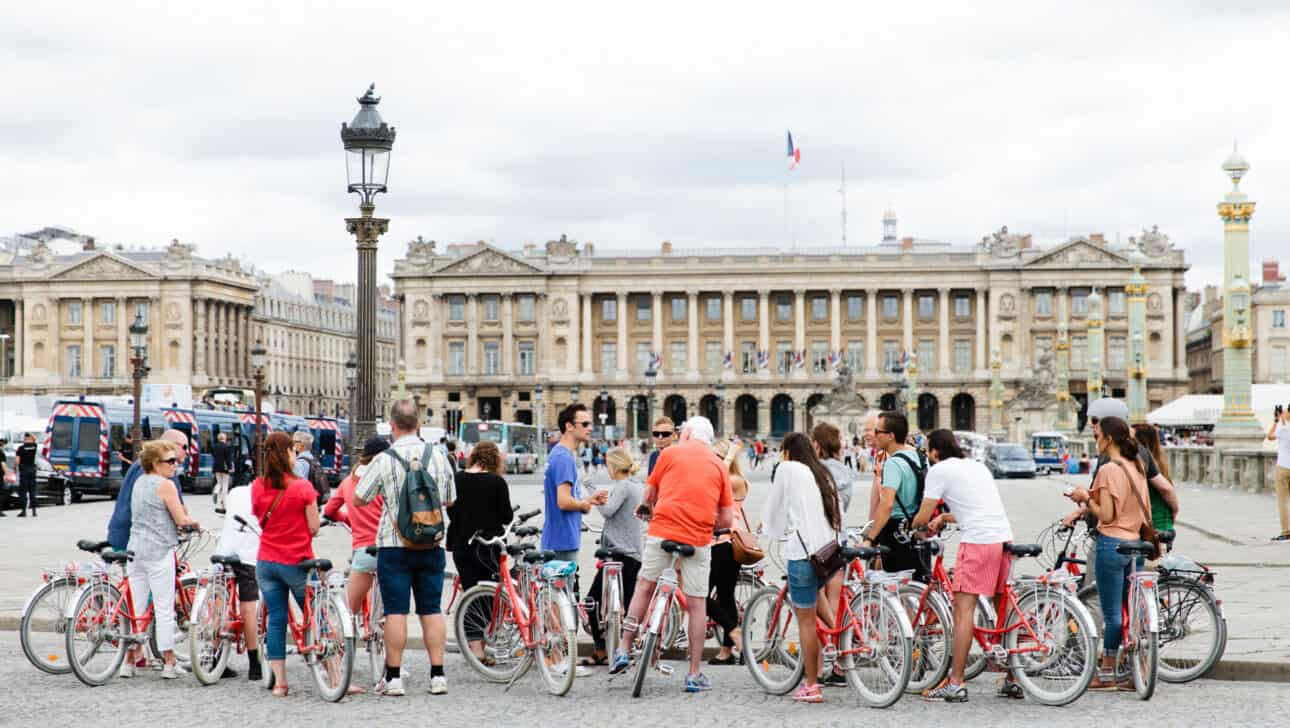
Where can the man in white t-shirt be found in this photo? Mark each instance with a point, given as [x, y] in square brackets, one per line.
[1280, 432]
[981, 570]
[242, 542]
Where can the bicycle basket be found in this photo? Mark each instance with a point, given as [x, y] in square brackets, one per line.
[558, 569]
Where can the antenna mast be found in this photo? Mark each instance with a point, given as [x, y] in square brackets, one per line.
[843, 192]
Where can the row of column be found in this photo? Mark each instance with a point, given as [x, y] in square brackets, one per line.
[221, 339]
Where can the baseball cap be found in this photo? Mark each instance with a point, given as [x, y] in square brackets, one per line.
[1108, 407]
[375, 446]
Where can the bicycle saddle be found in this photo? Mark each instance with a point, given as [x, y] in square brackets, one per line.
[672, 547]
[92, 546]
[1136, 547]
[526, 531]
[864, 553]
[372, 550]
[515, 549]
[1166, 537]
[1024, 549]
[612, 554]
[114, 556]
[233, 560]
[535, 555]
[319, 564]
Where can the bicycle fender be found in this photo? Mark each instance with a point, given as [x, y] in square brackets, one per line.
[566, 609]
[31, 598]
[71, 603]
[893, 602]
[347, 621]
[1153, 609]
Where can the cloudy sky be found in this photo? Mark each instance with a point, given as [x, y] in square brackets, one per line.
[626, 125]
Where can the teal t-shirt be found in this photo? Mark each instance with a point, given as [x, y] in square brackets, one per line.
[897, 475]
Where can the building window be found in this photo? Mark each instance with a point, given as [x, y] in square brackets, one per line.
[678, 309]
[1277, 364]
[784, 358]
[107, 312]
[1116, 353]
[609, 309]
[714, 308]
[528, 358]
[783, 308]
[490, 308]
[890, 355]
[680, 356]
[457, 357]
[492, 357]
[608, 356]
[1079, 353]
[1115, 303]
[642, 356]
[962, 307]
[890, 307]
[1044, 303]
[712, 356]
[1079, 303]
[926, 307]
[819, 357]
[748, 309]
[748, 357]
[527, 306]
[819, 309]
[1279, 318]
[962, 355]
[456, 308]
[107, 358]
[644, 308]
[74, 312]
[855, 356]
[926, 355]
[74, 361]
[855, 308]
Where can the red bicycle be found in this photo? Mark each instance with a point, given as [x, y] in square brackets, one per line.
[217, 629]
[43, 616]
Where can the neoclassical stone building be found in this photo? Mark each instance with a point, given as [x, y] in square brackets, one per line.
[751, 337]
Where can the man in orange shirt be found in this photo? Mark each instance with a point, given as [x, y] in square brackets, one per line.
[686, 498]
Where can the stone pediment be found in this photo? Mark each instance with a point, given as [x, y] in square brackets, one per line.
[104, 267]
[489, 261]
[1079, 252]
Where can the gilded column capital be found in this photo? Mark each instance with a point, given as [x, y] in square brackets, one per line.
[1236, 213]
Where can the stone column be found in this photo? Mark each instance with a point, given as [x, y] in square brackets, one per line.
[435, 344]
[1063, 305]
[1096, 345]
[835, 320]
[799, 330]
[624, 365]
[123, 353]
[763, 417]
[575, 324]
[244, 342]
[200, 336]
[871, 335]
[1136, 298]
[981, 363]
[907, 320]
[586, 334]
[472, 334]
[1165, 365]
[19, 340]
[24, 341]
[541, 346]
[87, 339]
[943, 354]
[656, 340]
[508, 342]
[692, 345]
[1179, 327]
[728, 330]
[1025, 359]
[763, 332]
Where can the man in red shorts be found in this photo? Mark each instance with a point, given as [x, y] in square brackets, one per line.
[968, 489]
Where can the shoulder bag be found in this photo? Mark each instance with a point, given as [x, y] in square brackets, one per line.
[827, 561]
[1146, 531]
[747, 551]
[265, 521]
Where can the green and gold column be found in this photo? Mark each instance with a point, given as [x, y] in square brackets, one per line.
[1236, 425]
[1065, 421]
[1136, 296]
[996, 395]
[1096, 345]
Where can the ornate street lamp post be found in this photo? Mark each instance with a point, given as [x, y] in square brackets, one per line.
[139, 364]
[632, 430]
[537, 415]
[257, 371]
[351, 379]
[651, 379]
[573, 392]
[368, 141]
[721, 408]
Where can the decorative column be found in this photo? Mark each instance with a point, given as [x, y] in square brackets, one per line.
[87, 338]
[367, 230]
[692, 345]
[586, 334]
[907, 320]
[434, 345]
[123, 352]
[943, 366]
[1179, 325]
[911, 392]
[763, 417]
[728, 332]
[1236, 425]
[835, 320]
[871, 335]
[472, 334]
[1096, 345]
[996, 395]
[763, 335]
[508, 339]
[1065, 422]
[20, 341]
[541, 345]
[799, 331]
[200, 337]
[1136, 298]
[656, 318]
[981, 364]
[624, 367]
[575, 321]
[1025, 359]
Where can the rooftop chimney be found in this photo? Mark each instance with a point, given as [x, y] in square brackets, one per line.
[88, 244]
[1271, 272]
[1027, 242]
[588, 248]
[906, 243]
[1098, 238]
[667, 247]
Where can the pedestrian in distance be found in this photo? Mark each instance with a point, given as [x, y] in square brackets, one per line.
[26, 457]
[125, 453]
[1279, 433]
[222, 467]
[664, 434]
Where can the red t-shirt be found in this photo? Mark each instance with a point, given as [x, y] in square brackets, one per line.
[692, 484]
[286, 538]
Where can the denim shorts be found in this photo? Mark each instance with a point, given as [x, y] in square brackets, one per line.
[362, 562]
[803, 587]
[404, 572]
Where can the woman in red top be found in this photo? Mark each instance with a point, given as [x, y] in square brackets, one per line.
[287, 511]
[363, 522]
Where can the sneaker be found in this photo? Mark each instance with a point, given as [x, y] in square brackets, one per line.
[947, 693]
[578, 670]
[834, 680]
[126, 671]
[620, 662]
[697, 683]
[22, 515]
[438, 685]
[228, 674]
[394, 688]
[172, 672]
[808, 694]
[1282, 537]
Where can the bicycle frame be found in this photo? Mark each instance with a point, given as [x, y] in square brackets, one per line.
[125, 606]
[233, 610]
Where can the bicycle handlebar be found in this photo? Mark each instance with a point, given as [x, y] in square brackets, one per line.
[522, 517]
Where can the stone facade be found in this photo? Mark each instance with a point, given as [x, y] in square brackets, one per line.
[483, 326]
[1269, 311]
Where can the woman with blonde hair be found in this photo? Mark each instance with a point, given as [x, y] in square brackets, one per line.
[723, 572]
[622, 531]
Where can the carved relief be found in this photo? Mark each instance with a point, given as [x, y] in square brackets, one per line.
[490, 262]
[1154, 303]
[421, 310]
[172, 312]
[1007, 304]
[560, 310]
[103, 268]
[38, 313]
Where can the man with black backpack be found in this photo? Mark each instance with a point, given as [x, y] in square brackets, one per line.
[415, 479]
[308, 467]
[903, 476]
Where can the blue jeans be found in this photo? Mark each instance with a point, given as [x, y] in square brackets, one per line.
[402, 573]
[275, 581]
[803, 586]
[1111, 571]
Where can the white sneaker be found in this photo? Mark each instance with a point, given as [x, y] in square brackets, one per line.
[391, 688]
[578, 670]
[438, 685]
[126, 671]
[172, 672]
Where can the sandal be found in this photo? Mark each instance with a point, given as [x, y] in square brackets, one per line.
[1104, 682]
[732, 659]
[280, 691]
[594, 660]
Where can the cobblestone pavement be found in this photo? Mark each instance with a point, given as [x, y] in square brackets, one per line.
[32, 698]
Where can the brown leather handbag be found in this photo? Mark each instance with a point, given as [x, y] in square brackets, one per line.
[747, 551]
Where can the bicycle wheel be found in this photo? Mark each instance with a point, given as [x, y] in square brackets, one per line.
[43, 621]
[97, 634]
[612, 625]
[932, 625]
[1145, 657]
[879, 673]
[331, 659]
[262, 619]
[558, 648]
[1058, 623]
[771, 643]
[486, 614]
[449, 597]
[374, 635]
[674, 635]
[644, 661]
[209, 647]
[1193, 633]
[185, 595]
[978, 659]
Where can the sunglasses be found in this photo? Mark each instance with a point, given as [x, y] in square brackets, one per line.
[583, 424]
[882, 432]
[171, 461]
[660, 434]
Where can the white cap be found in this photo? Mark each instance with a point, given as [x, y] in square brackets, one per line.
[1108, 407]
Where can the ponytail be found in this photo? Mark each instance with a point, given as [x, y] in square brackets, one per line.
[1120, 434]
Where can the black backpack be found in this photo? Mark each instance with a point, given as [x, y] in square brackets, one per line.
[919, 466]
[318, 478]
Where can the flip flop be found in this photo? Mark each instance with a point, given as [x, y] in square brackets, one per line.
[594, 661]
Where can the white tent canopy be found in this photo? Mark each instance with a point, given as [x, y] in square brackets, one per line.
[1203, 410]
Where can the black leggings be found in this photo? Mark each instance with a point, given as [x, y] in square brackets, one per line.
[723, 574]
[474, 564]
[631, 567]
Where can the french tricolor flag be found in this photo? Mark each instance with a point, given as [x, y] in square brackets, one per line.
[794, 153]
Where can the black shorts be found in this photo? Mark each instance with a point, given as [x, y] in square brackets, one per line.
[248, 589]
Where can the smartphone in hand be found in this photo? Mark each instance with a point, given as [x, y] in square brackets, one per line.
[644, 511]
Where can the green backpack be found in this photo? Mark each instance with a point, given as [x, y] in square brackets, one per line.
[420, 524]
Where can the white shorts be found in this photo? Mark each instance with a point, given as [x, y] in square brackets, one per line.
[693, 571]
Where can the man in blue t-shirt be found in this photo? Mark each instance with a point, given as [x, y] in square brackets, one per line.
[118, 534]
[564, 506]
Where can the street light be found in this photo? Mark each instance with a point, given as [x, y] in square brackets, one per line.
[721, 406]
[573, 392]
[537, 398]
[367, 141]
[139, 347]
[351, 376]
[651, 379]
[257, 371]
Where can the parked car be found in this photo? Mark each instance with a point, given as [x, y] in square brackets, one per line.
[1010, 460]
[50, 488]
